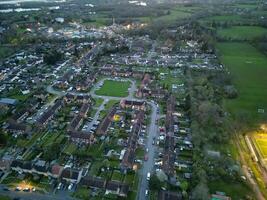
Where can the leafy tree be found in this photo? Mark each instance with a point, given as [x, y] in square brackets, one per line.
[3, 139]
[200, 192]
[51, 57]
[52, 152]
[154, 183]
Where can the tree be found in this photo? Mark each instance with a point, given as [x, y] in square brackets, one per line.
[51, 57]
[3, 139]
[154, 183]
[200, 192]
[52, 152]
[230, 91]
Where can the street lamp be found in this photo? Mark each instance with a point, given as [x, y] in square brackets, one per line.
[264, 127]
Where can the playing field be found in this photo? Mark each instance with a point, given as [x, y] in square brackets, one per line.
[261, 142]
[248, 68]
[114, 88]
[242, 32]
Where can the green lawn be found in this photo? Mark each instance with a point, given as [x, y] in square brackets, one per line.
[70, 148]
[174, 15]
[81, 193]
[233, 19]
[242, 32]
[225, 18]
[235, 190]
[117, 176]
[110, 103]
[114, 88]
[248, 68]
[247, 6]
[51, 138]
[98, 102]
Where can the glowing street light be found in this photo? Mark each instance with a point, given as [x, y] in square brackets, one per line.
[264, 127]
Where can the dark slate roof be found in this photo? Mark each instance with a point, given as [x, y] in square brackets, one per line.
[70, 174]
[134, 103]
[167, 195]
[106, 122]
[17, 163]
[75, 122]
[14, 126]
[85, 107]
[118, 186]
[50, 112]
[94, 182]
[80, 135]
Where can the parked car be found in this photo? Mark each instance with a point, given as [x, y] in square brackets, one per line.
[148, 176]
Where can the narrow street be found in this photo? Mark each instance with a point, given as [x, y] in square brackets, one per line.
[32, 195]
[149, 164]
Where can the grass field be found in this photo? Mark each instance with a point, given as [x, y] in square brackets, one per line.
[235, 190]
[247, 6]
[248, 68]
[261, 142]
[242, 32]
[233, 19]
[221, 18]
[114, 88]
[175, 14]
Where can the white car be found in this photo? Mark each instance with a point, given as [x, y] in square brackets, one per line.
[59, 186]
[70, 186]
[148, 176]
[146, 192]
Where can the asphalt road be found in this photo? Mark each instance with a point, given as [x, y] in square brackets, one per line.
[32, 195]
[149, 164]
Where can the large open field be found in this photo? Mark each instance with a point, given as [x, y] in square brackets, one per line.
[248, 68]
[261, 142]
[242, 32]
[223, 18]
[114, 88]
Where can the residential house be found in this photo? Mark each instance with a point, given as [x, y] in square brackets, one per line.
[168, 195]
[71, 175]
[135, 105]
